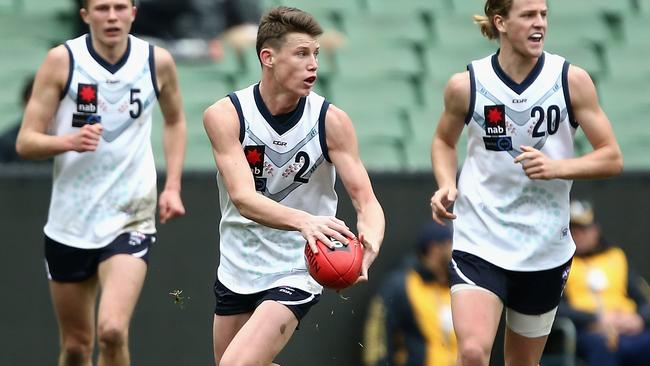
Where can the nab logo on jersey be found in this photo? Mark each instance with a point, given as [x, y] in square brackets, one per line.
[255, 157]
[495, 120]
[87, 98]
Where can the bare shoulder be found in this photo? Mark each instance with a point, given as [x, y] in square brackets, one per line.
[220, 112]
[581, 87]
[56, 66]
[337, 120]
[457, 93]
[162, 58]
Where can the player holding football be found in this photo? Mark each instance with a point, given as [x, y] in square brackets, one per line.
[512, 245]
[277, 146]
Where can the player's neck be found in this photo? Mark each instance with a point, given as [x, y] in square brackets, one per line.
[516, 65]
[277, 100]
[111, 53]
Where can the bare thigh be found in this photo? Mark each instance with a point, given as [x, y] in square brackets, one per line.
[74, 305]
[263, 336]
[476, 314]
[121, 277]
[224, 329]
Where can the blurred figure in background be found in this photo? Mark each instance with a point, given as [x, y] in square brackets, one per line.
[8, 137]
[608, 303]
[409, 320]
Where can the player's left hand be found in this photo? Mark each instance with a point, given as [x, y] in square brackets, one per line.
[536, 164]
[170, 205]
[369, 255]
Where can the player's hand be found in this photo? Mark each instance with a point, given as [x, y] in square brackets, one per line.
[536, 164]
[370, 253]
[440, 202]
[86, 138]
[630, 324]
[322, 228]
[170, 205]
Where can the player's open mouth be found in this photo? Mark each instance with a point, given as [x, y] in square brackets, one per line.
[112, 31]
[536, 37]
[310, 80]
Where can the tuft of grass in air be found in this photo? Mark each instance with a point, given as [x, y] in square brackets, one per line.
[178, 297]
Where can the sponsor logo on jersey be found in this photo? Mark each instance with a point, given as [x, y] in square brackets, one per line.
[517, 101]
[495, 120]
[260, 184]
[498, 143]
[279, 143]
[255, 157]
[87, 98]
[80, 119]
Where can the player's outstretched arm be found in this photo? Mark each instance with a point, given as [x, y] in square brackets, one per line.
[174, 134]
[222, 126]
[33, 142]
[443, 147]
[344, 153]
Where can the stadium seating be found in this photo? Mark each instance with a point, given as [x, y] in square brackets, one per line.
[391, 70]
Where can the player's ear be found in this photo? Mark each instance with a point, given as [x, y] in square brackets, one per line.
[266, 56]
[498, 23]
[84, 15]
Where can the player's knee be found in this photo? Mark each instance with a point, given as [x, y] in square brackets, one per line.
[473, 354]
[112, 336]
[76, 352]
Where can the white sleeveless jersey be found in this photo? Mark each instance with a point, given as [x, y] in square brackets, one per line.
[503, 216]
[98, 195]
[290, 165]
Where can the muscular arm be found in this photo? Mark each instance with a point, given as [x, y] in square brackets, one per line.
[33, 141]
[222, 126]
[605, 160]
[443, 148]
[344, 153]
[174, 134]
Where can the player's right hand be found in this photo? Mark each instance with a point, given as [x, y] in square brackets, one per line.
[322, 228]
[440, 202]
[87, 138]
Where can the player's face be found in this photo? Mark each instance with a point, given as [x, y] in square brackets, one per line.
[525, 27]
[109, 20]
[296, 62]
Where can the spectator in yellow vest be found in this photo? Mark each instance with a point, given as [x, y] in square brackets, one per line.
[409, 320]
[606, 300]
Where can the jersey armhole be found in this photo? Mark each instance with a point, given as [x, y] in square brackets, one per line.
[567, 95]
[70, 71]
[152, 71]
[240, 114]
[472, 94]
[322, 137]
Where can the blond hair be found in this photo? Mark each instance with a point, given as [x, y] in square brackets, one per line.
[486, 22]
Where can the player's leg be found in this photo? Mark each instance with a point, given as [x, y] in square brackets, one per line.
[525, 337]
[262, 337]
[73, 288]
[121, 277]
[476, 314]
[478, 288]
[533, 298]
[224, 329]
[74, 306]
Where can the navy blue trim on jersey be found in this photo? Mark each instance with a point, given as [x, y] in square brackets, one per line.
[152, 71]
[70, 71]
[112, 68]
[472, 94]
[322, 137]
[516, 87]
[280, 126]
[567, 96]
[240, 113]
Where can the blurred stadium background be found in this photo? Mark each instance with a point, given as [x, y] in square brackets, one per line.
[389, 76]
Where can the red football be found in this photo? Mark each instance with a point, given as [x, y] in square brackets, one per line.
[336, 268]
